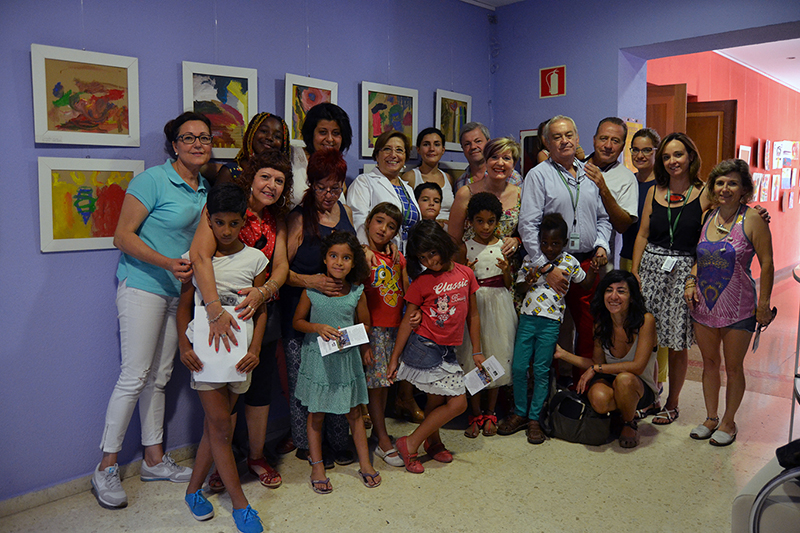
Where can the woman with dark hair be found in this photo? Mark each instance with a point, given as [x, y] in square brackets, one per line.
[430, 145]
[384, 185]
[160, 212]
[619, 377]
[267, 178]
[664, 253]
[326, 126]
[318, 215]
[721, 292]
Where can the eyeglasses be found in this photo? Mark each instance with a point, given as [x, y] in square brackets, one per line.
[644, 151]
[389, 150]
[333, 191]
[189, 138]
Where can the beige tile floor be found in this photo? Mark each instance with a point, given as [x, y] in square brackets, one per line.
[670, 483]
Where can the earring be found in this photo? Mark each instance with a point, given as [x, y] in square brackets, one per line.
[283, 198]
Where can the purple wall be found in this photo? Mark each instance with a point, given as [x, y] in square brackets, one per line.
[605, 48]
[60, 353]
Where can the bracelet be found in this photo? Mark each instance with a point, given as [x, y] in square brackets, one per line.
[262, 294]
[600, 368]
[690, 276]
[217, 317]
[476, 353]
[274, 284]
[552, 267]
[212, 302]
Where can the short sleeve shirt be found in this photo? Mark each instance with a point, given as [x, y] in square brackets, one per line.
[443, 298]
[174, 210]
[542, 300]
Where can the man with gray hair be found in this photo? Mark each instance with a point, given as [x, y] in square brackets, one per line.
[474, 137]
[561, 185]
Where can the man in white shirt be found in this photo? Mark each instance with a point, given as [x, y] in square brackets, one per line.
[561, 185]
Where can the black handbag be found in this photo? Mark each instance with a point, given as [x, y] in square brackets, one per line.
[570, 417]
[789, 454]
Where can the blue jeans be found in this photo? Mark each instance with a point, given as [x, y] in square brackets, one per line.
[536, 338]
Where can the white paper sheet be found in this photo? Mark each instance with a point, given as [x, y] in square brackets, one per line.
[351, 336]
[475, 380]
[218, 367]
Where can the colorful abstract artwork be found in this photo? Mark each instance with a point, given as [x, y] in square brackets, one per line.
[84, 97]
[80, 201]
[303, 93]
[227, 96]
[453, 111]
[383, 108]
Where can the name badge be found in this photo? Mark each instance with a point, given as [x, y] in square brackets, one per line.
[669, 264]
[574, 241]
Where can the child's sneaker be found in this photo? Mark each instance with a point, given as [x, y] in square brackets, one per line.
[247, 520]
[107, 487]
[166, 470]
[199, 506]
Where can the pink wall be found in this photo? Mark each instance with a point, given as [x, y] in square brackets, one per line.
[766, 110]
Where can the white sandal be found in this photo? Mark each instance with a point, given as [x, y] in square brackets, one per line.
[703, 432]
[388, 458]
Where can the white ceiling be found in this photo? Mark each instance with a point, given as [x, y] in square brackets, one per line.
[770, 59]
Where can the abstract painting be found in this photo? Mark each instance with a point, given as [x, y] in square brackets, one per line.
[80, 201]
[386, 107]
[84, 97]
[453, 110]
[228, 96]
[303, 93]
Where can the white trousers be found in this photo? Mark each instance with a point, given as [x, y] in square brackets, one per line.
[148, 343]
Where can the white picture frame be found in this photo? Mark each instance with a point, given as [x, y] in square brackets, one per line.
[62, 76]
[378, 94]
[294, 108]
[97, 199]
[451, 120]
[199, 81]
[744, 153]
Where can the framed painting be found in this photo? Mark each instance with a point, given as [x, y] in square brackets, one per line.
[84, 97]
[303, 93]
[453, 111]
[80, 201]
[744, 153]
[386, 107]
[228, 96]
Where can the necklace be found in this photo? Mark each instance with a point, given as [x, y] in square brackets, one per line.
[721, 227]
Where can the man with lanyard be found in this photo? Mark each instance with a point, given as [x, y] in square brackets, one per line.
[618, 187]
[561, 185]
[474, 137]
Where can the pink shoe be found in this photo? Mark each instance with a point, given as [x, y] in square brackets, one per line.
[438, 452]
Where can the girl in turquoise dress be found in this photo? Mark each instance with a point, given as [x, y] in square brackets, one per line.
[336, 383]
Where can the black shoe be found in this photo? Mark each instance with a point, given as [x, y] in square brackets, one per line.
[327, 460]
[301, 454]
[344, 457]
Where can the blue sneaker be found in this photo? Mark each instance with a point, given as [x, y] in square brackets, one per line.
[199, 506]
[247, 520]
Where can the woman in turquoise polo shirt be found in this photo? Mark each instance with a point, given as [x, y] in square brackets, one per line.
[157, 222]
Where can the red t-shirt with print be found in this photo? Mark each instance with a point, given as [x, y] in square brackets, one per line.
[443, 298]
[385, 291]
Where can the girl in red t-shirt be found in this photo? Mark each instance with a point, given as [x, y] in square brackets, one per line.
[387, 284]
[445, 294]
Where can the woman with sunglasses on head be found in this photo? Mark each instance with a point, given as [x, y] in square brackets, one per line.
[318, 215]
[721, 292]
[161, 210]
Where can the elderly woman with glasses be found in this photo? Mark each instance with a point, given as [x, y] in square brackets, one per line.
[317, 216]
[159, 215]
[383, 184]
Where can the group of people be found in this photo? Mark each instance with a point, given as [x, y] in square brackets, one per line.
[442, 275]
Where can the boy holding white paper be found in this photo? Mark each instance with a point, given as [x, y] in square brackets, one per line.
[217, 382]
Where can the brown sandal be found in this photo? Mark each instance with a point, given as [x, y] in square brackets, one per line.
[475, 424]
[630, 442]
[489, 424]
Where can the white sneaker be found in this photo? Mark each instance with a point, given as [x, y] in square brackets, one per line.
[107, 487]
[166, 470]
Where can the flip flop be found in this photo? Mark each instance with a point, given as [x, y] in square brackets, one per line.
[323, 482]
[371, 477]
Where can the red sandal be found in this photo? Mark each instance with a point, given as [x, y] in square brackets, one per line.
[268, 476]
[412, 463]
[478, 422]
[215, 483]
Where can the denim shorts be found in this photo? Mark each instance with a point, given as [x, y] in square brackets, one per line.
[422, 353]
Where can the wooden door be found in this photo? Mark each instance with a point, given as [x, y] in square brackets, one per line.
[712, 126]
[666, 108]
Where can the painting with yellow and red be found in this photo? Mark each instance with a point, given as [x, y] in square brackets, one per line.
[390, 112]
[224, 100]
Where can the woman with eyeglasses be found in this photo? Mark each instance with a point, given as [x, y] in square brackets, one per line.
[721, 293]
[318, 215]
[383, 184]
[161, 210]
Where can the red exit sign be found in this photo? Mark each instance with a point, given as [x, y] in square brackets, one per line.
[552, 81]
